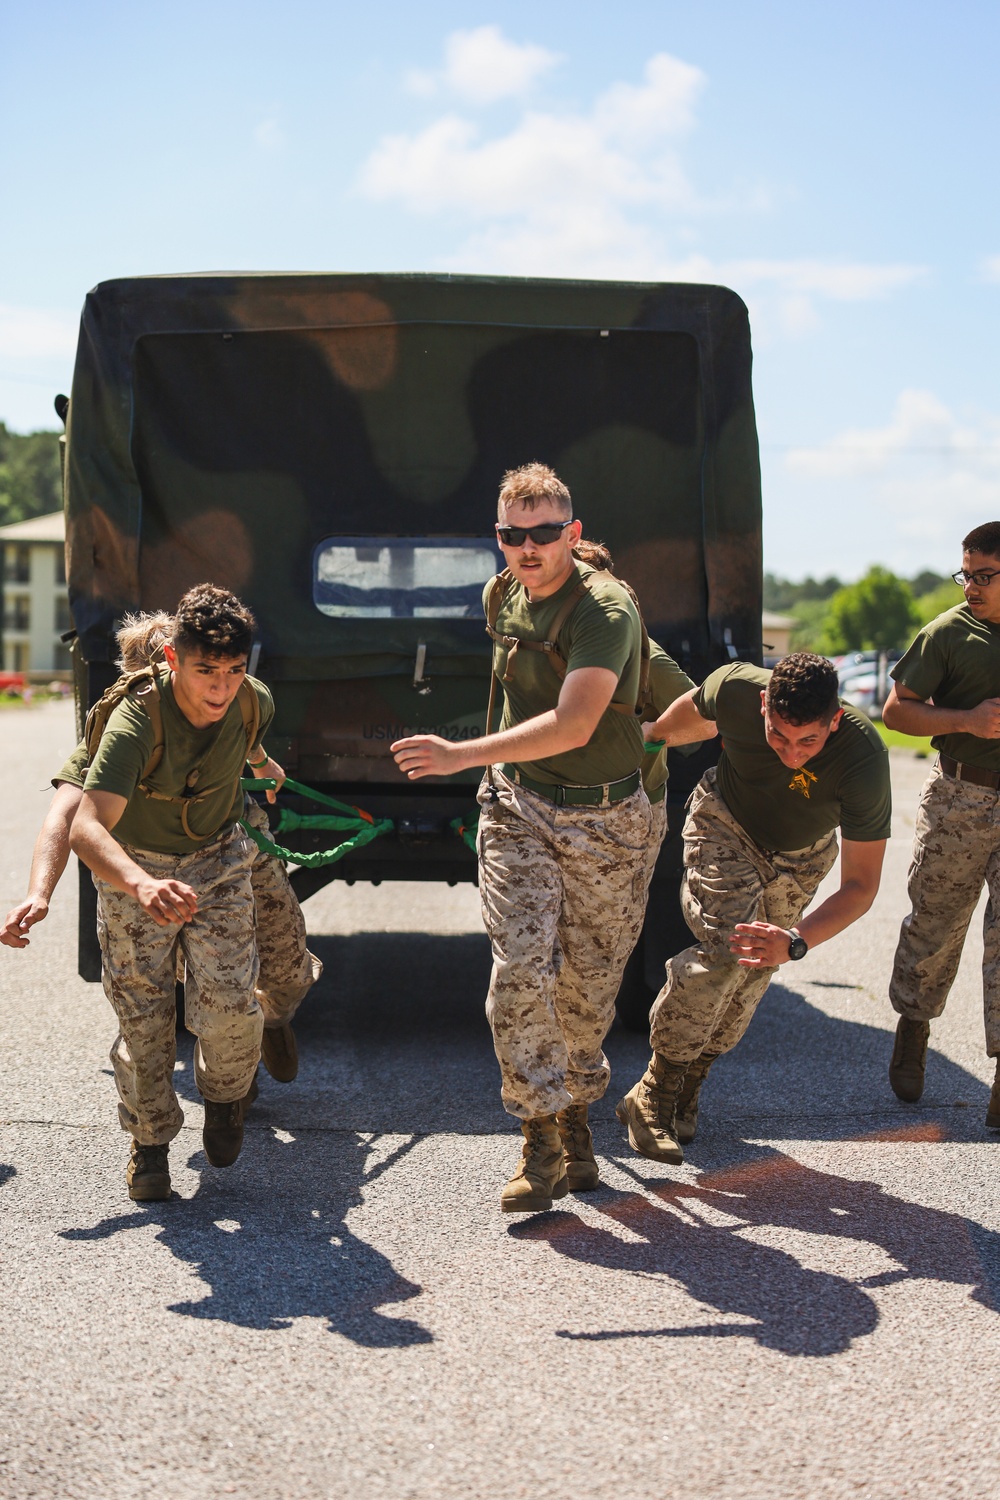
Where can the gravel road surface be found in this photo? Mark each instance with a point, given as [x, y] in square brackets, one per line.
[807, 1308]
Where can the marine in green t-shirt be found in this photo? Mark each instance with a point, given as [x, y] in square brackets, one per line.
[602, 630]
[172, 871]
[844, 784]
[759, 837]
[564, 826]
[947, 685]
[195, 760]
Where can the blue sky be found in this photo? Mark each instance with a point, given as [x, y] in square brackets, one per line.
[834, 165]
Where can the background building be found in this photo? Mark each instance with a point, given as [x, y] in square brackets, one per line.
[35, 604]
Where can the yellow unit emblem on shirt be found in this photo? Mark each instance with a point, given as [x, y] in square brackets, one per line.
[802, 781]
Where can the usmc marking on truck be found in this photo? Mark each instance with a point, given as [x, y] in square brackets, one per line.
[404, 731]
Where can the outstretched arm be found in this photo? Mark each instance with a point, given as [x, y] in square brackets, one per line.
[585, 694]
[681, 723]
[762, 945]
[166, 901]
[47, 864]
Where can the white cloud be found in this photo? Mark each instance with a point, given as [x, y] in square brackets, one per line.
[904, 492]
[921, 425]
[32, 333]
[599, 193]
[269, 135]
[482, 66]
[989, 268]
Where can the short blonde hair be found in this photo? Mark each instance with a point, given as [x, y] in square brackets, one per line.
[532, 485]
[141, 639]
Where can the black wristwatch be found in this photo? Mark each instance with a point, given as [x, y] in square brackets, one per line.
[797, 946]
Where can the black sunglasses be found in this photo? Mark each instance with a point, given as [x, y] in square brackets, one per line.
[513, 536]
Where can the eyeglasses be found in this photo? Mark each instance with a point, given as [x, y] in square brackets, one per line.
[513, 536]
[979, 579]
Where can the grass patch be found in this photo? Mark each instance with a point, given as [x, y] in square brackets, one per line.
[897, 741]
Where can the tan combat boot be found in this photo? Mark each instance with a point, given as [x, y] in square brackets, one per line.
[541, 1173]
[649, 1110]
[279, 1052]
[909, 1058]
[686, 1123]
[578, 1149]
[147, 1174]
[993, 1108]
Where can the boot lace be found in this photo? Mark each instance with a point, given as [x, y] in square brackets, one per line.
[573, 1129]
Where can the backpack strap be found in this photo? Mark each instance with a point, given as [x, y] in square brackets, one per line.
[250, 709]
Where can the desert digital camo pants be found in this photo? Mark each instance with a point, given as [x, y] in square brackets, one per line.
[956, 851]
[708, 1000]
[287, 969]
[563, 891]
[139, 974]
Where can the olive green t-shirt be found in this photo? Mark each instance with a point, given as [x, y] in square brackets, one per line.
[956, 661]
[75, 769]
[218, 753]
[667, 682]
[845, 784]
[602, 631]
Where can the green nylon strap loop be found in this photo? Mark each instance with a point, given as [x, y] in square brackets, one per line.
[466, 831]
[652, 747]
[366, 828]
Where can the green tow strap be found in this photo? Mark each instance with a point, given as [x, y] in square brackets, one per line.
[466, 831]
[347, 817]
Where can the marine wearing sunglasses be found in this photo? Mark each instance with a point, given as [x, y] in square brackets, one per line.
[550, 531]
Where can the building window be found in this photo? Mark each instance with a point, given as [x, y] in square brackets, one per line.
[61, 565]
[17, 613]
[17, 564]
[64, 620]
[64, 659]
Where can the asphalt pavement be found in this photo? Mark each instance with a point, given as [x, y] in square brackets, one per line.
[807, 1308]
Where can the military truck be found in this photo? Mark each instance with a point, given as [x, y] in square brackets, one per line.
[330, 447]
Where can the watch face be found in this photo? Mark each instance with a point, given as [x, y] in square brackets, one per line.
[798, 947]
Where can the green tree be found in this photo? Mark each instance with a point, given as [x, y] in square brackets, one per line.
[875, 614]
[30, 478]
[934, 603]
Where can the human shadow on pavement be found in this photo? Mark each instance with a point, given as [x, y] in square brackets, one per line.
[269, 1239]
[807, 1075]
[392, 1039]
[702, 1235]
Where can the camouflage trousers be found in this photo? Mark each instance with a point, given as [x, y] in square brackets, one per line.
[563, 892]
[709, 1000]
[287, 969]
[956, 851]
[139, 963]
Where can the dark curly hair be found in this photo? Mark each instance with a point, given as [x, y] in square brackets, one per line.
[803, 689]
[985, 539]
[213, 621]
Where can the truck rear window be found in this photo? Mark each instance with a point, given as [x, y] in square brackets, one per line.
[433, 578]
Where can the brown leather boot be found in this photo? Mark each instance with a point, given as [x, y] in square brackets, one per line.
[909, 1058]
[541, 1173]
[148, 1174]
[222, 1133]
[279, 1052]
[993, 1108]
[686, 1123]
[578, 1149]
[649, 1109]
